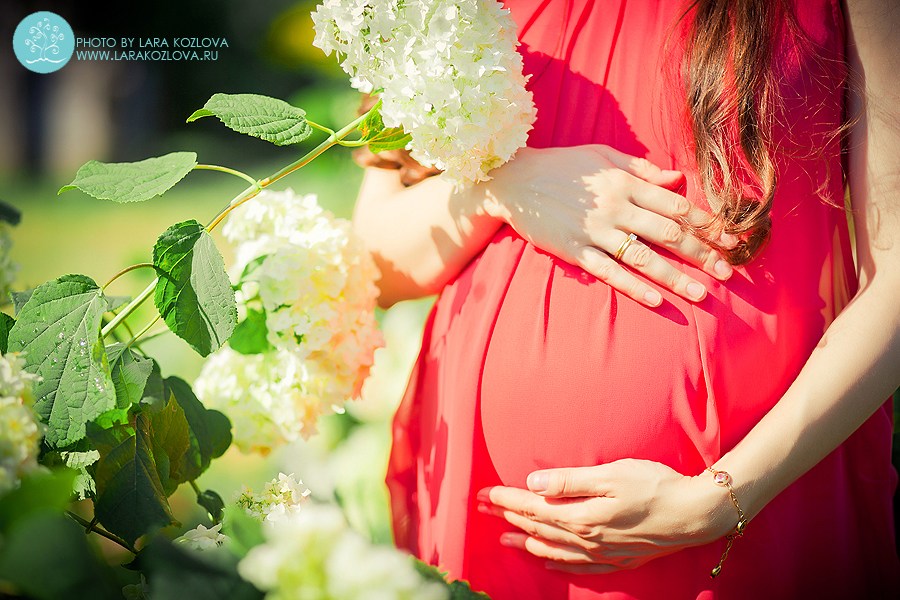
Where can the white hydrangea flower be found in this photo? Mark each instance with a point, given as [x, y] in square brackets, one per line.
[20, 427]
[316, 555]
[202, 538]
[280, 499]
[315, 282]
[448, 72]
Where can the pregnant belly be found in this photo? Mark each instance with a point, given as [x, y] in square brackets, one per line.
[576, 374]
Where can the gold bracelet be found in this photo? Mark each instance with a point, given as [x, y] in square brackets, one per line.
[723, 479]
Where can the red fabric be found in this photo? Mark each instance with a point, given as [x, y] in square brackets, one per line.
[528, 362]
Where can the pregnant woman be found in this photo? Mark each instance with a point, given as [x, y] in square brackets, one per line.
[605, 407]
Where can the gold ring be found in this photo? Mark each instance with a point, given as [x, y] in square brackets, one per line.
[628, 241]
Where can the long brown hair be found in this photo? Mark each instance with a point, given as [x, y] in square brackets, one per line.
[729, 83]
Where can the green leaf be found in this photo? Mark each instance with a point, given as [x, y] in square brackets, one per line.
[249, 272]
[213, 504]
[209, 432]
[9, 213]
[84, 486]
[194, 295]
[117, 301]
[250, 335]
[390, 139]
[132, 182]
[6, 323]
[171, 439]
[130, 498]
[267, 118]
[155, 392]
[48, 557]
[129, 372]
[19, 300]
[42, 491]
[380, 139]
[59, 329]
[459, 590]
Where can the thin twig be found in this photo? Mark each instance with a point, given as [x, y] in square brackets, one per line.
[90, 527]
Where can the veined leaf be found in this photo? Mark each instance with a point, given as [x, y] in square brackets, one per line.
[267, 118]
[380, 139]
[129, 373]
[390, 139]
[194, 295]
[209, 431]
[130, 498]
[171, 439]
[59, 330]
[132, 182]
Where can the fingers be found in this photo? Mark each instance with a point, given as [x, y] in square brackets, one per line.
[641, 168]
[642, 259]
[547, 549]
[547, 532]
[569, 483]
[603, 267]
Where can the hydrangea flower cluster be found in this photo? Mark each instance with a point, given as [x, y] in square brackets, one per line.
[280, 499]
[316, 555]
[448, 72]
[20, 427]
[311, 275]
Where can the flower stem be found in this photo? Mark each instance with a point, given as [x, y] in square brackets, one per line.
[328, 143]
[320, 127]
[126, 270]
[126, 312]
[249, 193]
[143, 331]
[91, 527]
[243, 176]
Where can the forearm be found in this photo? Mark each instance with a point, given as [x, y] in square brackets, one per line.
[856, 366]
[848, 376]
[421, 236]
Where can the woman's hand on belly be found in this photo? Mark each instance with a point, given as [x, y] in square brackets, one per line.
[581, 203]
[609, 517]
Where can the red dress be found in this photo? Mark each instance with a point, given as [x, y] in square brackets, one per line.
[529, 363]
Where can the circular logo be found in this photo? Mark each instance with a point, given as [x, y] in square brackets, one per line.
[43, 42]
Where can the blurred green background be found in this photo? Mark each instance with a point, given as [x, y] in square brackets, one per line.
[126, 111]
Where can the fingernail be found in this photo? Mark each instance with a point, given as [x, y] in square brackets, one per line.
[652, 298]
[483, 508]
[483, 496]
[728, 240]
[506, 541]
[695, 290]
[538, 481]
[723, 269]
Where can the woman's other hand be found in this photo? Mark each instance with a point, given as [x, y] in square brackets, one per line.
[581, 203]
[609, 517]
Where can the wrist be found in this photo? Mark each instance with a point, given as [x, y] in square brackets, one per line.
[718, 515]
